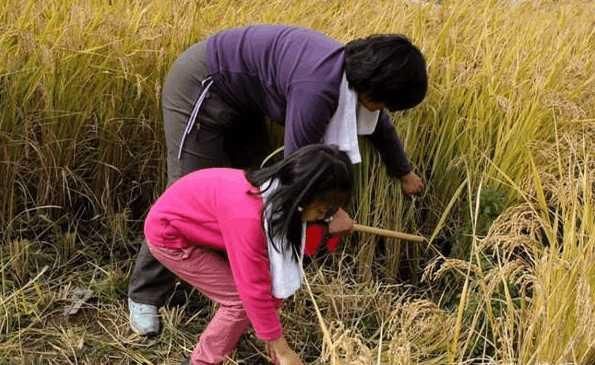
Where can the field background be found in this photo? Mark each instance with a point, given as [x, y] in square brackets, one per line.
[505, 140]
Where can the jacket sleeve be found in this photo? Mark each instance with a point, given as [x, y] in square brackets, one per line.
[309, 111]
[245, 245]
[388, 144]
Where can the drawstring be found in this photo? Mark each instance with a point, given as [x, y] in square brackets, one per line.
[192, 119]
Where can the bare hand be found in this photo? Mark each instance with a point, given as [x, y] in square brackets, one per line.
[289, 358]
[281, 353]
[341, 223]
[411, 184]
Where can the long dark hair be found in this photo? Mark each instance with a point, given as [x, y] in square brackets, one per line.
[387, 68]
[314, 172]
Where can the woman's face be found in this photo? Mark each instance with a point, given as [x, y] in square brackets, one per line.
[370, 104]
[318, 210]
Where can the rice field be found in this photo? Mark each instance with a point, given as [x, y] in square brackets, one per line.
[505, 141]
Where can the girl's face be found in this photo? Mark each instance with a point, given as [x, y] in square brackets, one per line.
[318, 210]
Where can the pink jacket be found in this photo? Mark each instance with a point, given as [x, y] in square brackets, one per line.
[214, 208]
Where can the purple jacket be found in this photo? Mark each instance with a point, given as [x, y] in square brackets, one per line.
[291, 75]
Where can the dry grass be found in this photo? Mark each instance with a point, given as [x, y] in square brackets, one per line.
[505, 140]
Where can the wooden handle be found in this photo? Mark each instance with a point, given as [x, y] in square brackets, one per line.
[387, 233]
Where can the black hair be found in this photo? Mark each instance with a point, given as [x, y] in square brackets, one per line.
[387, 68]
[314, 172]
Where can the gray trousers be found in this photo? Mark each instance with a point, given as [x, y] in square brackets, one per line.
[221, 137]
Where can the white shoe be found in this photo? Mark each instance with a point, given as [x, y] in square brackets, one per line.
[144, 319]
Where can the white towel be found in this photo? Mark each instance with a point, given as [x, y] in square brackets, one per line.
[350, 120]
[286, 273]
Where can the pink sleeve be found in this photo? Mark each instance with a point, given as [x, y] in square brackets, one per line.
[245, 246]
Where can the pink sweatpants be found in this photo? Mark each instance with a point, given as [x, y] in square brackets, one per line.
[210, 273]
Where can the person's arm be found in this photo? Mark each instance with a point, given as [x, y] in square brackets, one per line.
[245, 246]
[247, 254]
[393, 154]
[309, 111]
[388, 144]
